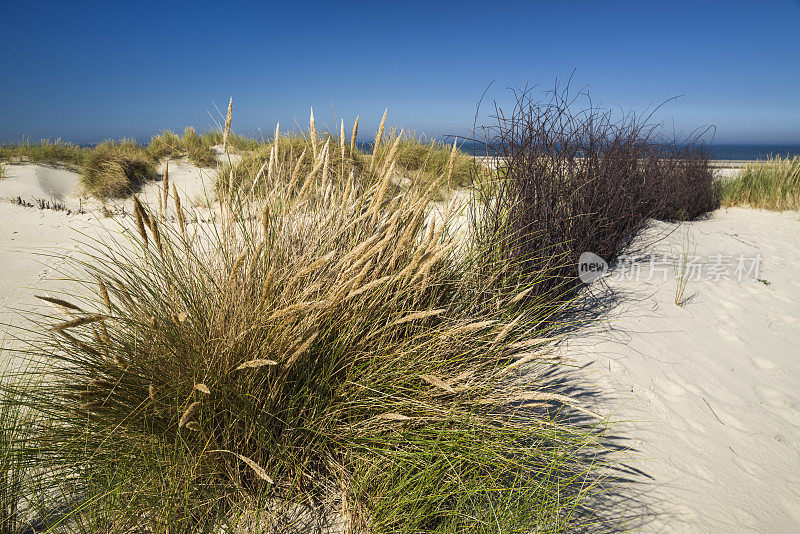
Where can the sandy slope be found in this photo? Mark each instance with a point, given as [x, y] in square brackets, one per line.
[709, 393]
[30, 237]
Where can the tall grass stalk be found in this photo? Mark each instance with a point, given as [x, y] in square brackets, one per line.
[227, 131]
[683, 271]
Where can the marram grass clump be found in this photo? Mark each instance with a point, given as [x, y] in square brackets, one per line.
[191, 145]
[773, 184]
[329, 347]
[117, 169]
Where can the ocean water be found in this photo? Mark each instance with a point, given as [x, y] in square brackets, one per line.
[732, 152]
[717, 151]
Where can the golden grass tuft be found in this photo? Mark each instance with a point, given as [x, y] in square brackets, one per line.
[190, 411]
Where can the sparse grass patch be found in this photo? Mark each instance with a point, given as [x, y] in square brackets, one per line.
[683, 271]
[238, 143]
[117, 169]
[773, 185]
[196, 148]
[46, 152]
[2, 170]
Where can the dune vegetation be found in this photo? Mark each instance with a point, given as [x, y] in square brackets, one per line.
[46, 152]
[773, 184]
[117, 169]
[327, 345]
[191, 145]
[335, 345]
[576, 179]
[109, 169]
[430, 158]
[289, 158]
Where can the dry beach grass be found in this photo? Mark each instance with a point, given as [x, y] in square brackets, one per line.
[325, 343]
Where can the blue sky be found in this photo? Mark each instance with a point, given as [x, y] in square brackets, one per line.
[86, 71]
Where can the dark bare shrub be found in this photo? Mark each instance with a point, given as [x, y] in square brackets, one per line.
[688, 187]
[571, 179]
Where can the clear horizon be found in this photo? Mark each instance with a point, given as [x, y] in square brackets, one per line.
[95, 71]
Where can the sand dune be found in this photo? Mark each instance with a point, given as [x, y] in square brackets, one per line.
[708, 394]
[39, 182]
[34, 242]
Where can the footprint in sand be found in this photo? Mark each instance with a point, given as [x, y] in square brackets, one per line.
[729, 335]
[794, 487]
[781, 318]
[778, 404]
[698, 429]
[791, 508]
[771, 397]
[691, 388]
[742, 517]
[614, 366]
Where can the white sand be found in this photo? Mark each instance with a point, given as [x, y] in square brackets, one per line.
[30, 237]
[709, 393]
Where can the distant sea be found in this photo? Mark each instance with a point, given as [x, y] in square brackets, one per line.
[729, 152]
[718, 151]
